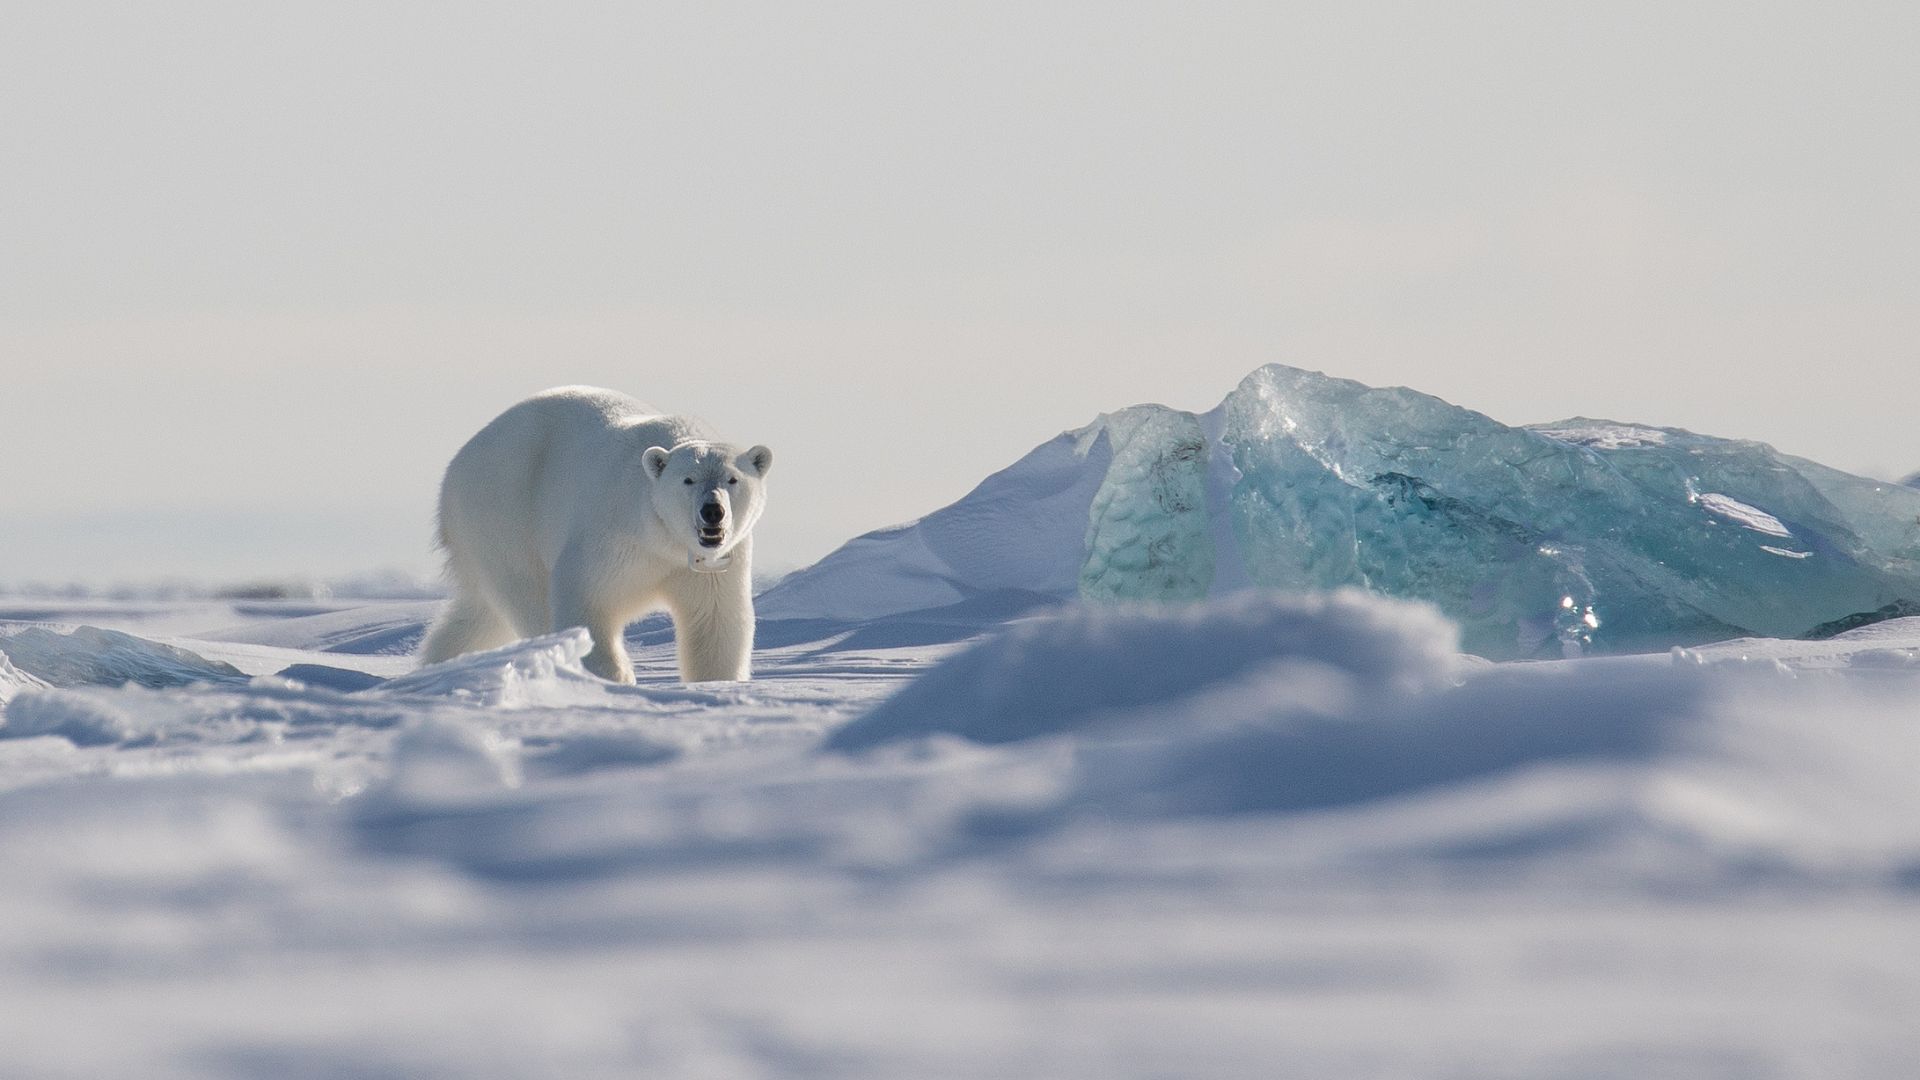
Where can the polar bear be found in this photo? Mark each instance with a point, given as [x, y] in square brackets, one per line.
[583, 507]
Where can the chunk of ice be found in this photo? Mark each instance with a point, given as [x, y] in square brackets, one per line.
[1148, 534]
[538, 671]
[91, 656]
[1556, 539]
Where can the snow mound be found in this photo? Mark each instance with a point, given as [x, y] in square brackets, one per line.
[1904, 628]
[540, 671]
[1543, 542]
[1089, 667]
[436, 757]
[260, 714]
[1350, 718]
[90, 656]
[82, 719]
[1878, 644]
[1290, 738]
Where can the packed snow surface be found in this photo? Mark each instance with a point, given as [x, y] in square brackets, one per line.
[1265, 835]
[1578, 537]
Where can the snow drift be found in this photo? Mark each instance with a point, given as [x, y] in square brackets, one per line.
[1723, 760]
[1087, 666]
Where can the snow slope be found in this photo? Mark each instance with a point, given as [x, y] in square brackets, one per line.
[1017, 534]
[1267, 836]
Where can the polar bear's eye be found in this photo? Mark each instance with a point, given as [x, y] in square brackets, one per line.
[733, 479]
[688, 480]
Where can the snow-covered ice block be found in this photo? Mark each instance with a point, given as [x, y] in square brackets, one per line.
[327, 677]
[90, 656]
[538, 671]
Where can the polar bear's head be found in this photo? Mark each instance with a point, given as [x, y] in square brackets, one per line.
[709, 495]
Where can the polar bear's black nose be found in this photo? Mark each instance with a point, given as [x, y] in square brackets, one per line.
[713, 513]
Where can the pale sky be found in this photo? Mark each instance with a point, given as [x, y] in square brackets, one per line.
[263, 267]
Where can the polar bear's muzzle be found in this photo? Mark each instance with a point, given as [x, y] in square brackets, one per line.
[713, 521]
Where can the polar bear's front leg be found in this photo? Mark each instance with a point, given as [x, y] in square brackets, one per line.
[713, 624]
[608, 659]
[574, 605]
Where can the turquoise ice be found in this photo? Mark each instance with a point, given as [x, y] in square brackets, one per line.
[1560, 538]
[1545, 541]
[1148, 536]
[1583, 536]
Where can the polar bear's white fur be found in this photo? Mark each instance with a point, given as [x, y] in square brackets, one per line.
[583, 507]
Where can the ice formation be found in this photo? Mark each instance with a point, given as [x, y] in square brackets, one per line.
[13, 680]
[1555, 540]
[1147, 530]
[1558, 538]
[91, 656]
[543, 670]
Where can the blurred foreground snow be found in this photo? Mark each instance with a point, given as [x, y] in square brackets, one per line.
[1270, 836]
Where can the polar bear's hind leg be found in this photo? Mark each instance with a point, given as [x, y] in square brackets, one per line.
[468, 624]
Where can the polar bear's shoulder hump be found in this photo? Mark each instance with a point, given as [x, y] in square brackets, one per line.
[612, 404]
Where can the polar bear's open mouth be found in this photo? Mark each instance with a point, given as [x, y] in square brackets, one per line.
[706, 558]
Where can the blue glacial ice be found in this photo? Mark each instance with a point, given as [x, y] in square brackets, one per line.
[1148, 534]
[1560, 538]
[1546, 541]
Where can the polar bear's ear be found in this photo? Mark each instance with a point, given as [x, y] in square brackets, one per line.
[758, 460]
[655, 460]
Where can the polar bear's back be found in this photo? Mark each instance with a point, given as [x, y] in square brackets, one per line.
[564, 458]
[586, 414]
